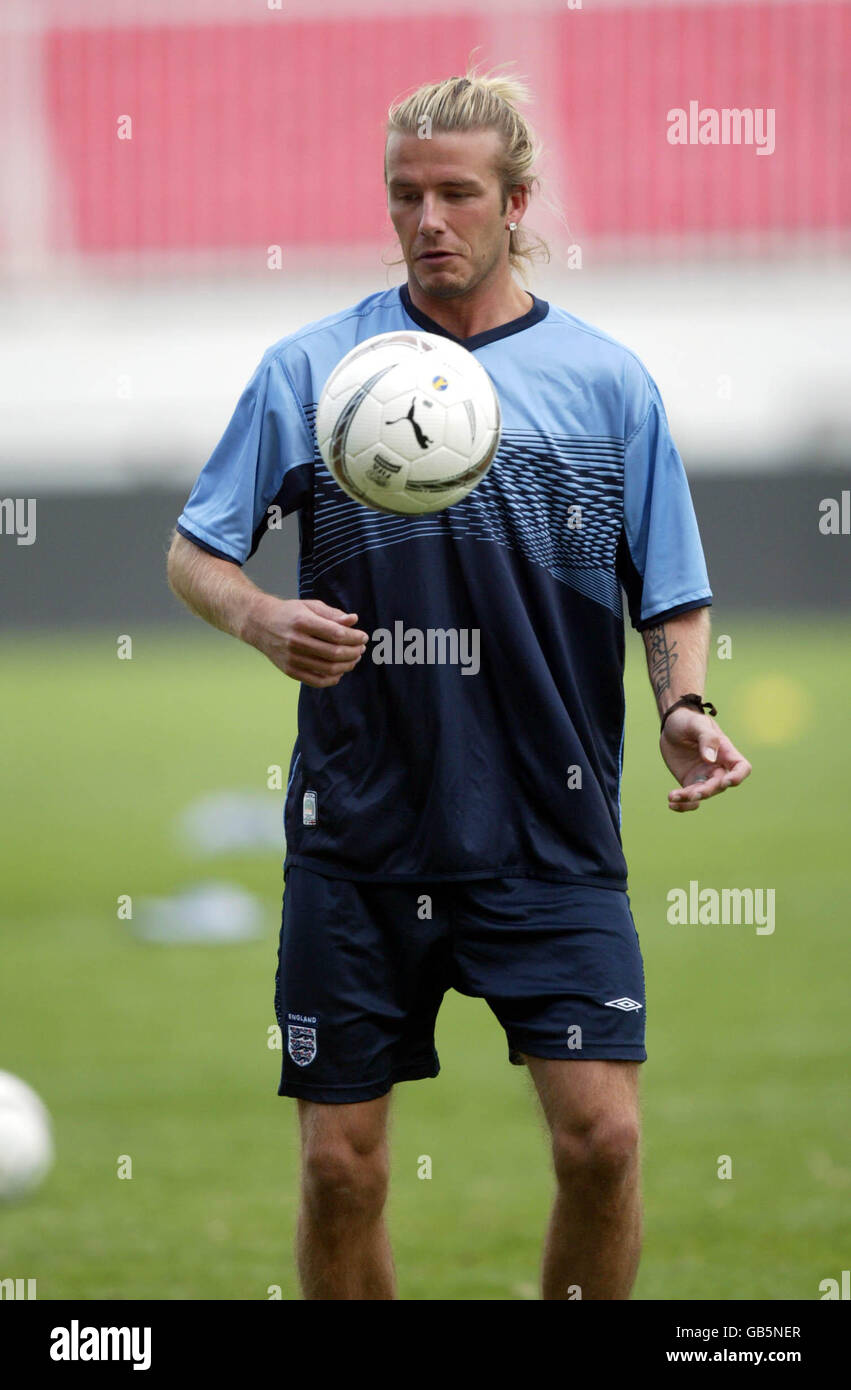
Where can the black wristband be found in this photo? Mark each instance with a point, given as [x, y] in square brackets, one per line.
[694, 701]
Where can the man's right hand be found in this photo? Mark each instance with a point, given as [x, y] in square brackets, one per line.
[305, 638]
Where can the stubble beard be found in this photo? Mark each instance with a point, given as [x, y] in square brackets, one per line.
[454, 290]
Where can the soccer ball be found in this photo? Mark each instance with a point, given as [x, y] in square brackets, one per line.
[408, 422]
[26, 1143]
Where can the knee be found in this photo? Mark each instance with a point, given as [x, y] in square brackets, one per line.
[339, 1181]
[602, 1152]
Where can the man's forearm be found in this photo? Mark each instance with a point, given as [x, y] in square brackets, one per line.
[307, 639]
[214, 589]
[677, 654]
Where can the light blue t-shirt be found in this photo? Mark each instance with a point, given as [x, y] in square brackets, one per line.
[496, 748]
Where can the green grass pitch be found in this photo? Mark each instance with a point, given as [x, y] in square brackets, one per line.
[161, 1052]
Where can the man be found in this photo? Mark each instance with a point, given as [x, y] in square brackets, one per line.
[450, 827]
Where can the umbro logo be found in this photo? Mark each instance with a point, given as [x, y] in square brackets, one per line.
[623, 1003]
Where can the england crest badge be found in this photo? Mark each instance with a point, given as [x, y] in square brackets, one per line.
[301, 1044]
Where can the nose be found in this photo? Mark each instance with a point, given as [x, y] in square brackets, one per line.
[430, 217]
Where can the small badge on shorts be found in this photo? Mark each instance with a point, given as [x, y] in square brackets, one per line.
[301, 1044]
[308, 808]
[628, 1005]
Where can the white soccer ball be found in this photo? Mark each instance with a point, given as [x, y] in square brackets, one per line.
[26, 1142]
[408, 422]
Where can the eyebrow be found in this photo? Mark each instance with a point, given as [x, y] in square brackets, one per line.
[444, 183]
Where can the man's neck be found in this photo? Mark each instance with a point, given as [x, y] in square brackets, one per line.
[468, 315]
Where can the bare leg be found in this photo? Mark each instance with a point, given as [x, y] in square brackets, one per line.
[342, 1247]
[593, 1241]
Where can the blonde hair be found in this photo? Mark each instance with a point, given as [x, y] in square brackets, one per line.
[477, 102]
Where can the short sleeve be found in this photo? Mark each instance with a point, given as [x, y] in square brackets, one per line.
[263, 459]
[660, 557]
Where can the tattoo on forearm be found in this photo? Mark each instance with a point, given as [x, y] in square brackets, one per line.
[661, 659]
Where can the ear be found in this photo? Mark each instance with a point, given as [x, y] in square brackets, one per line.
[517, 201]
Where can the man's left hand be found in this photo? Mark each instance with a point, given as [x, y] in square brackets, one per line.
[701, 757]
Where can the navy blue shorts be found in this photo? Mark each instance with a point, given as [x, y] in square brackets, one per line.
[363, 968]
